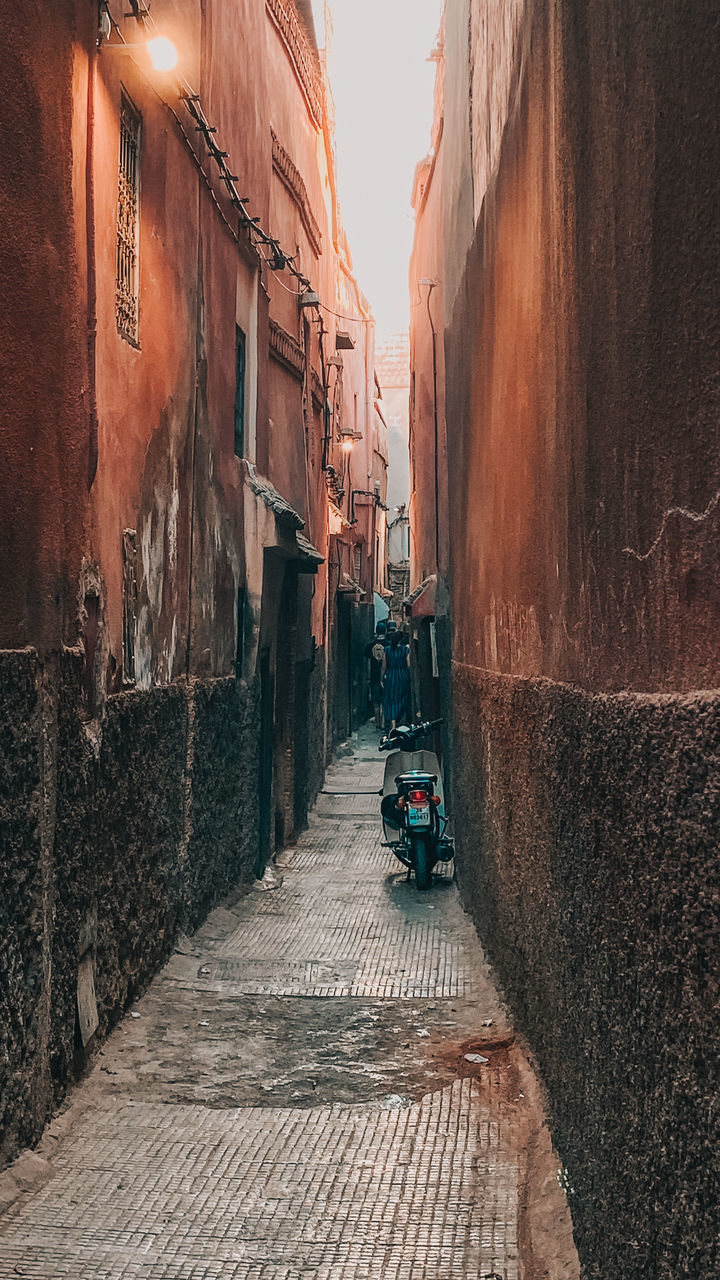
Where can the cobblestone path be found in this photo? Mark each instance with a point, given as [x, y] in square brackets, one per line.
[291, 1098]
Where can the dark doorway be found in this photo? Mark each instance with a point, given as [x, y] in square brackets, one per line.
[343, 668]
[285, 710]
[266, 760]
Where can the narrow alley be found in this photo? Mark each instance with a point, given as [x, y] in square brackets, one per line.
[291, 1097]
[360, 365]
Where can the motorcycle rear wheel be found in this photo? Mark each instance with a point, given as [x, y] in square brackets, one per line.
[422, 862]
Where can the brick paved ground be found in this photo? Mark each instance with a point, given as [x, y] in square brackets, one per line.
[291, 1098]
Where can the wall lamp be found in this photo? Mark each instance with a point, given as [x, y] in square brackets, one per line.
[161, 51]
[308, 299]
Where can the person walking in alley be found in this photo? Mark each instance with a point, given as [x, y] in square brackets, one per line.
[396, 679]
[375, 652]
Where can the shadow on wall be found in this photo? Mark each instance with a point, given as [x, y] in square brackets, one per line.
[111, 844]
[588, 854]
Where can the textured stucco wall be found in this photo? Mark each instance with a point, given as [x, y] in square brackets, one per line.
[114, 836]
[587, 833]
[43, 339]
[429, 531]
[583, 371]
[582, 409]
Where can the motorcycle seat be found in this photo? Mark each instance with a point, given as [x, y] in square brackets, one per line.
[416, 775]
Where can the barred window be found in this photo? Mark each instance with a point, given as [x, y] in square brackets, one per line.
[126, 294]
[240, 367]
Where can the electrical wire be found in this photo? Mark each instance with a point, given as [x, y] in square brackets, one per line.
[195, 159]
[276, 277]
[258, 237]
[349, 319]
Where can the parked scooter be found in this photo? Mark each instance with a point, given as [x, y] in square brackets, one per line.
[413, 803]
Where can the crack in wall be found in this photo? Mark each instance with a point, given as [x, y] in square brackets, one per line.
[697, 517]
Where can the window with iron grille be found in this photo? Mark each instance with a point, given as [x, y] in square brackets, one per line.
[240, 362]
[126, 292]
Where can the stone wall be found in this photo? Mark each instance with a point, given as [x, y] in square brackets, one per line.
[115, 835]
[587, 831]
[23, 896]
[222, 835]
[310, 740]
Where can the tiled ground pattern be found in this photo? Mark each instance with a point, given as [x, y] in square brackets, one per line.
[379, 1191]
[183, 1193]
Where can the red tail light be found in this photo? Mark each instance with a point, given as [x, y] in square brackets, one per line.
[418, 797]
[436, 800]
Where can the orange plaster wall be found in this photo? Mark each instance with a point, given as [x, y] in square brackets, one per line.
[44, 404]
[583, 388]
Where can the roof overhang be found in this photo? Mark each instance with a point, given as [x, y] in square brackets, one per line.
[421, 601]
[310, 557]
[288, 541]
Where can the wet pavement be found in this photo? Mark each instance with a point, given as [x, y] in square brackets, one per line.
[292, 1099]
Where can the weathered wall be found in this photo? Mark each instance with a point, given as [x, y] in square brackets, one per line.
[309, 735]
[597, 894]
[582, 409]
[224, 765]
[583, 350]
[392, 363]
[23, 900]
[44, 396]
[114, 836]
[429, 533]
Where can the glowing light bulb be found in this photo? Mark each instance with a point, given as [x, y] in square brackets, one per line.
[347, 446]
[163, 54]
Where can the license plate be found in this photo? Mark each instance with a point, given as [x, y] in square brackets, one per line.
[419, 815]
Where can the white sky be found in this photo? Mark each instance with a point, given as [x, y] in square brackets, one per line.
[383, 89]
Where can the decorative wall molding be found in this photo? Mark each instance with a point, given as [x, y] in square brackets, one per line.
[300, 54]
[291, 178]
[287, 351]
[318, 397]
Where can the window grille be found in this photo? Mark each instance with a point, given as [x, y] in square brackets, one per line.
[240, 362]
[357, 561]
[126, 294]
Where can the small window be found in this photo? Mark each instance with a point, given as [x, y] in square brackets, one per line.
[240, 362]
[126, 289]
